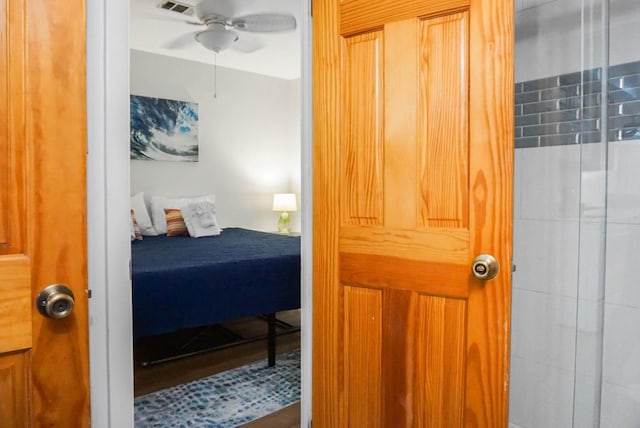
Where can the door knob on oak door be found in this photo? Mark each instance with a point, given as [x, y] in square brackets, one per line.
[485, 267]
[55, 301]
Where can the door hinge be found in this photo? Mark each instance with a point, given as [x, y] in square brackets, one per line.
[89, 293]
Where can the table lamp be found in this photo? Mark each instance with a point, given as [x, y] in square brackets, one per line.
[284, 202]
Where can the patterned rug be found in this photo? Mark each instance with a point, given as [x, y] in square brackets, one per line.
[224, 400]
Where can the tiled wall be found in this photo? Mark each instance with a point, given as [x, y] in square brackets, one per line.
[559, 236]
[621, 365]
[560, 225]
[566, 109]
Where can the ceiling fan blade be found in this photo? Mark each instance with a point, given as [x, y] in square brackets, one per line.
[247, 44]
[162, 19]
[182, 41]
[264, 23]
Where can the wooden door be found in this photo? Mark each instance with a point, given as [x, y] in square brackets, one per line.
[413, 146]
[44, 366]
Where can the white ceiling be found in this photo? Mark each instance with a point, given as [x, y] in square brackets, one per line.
[153, 29]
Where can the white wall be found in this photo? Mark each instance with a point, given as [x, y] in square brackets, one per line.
[109, 248]
[249, 138]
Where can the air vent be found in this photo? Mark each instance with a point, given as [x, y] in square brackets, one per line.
[175, 6]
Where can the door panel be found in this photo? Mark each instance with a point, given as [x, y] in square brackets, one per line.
[440, 339]
[43, 362]
[362, 153]
[363, 332]
[412, 179]
[15, 303]
[15, 382]
[443, 148]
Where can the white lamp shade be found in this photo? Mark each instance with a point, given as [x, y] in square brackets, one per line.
[284, 202]
[216, 39]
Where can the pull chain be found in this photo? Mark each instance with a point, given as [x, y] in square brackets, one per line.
[215, 75]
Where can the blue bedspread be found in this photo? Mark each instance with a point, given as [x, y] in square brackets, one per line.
[182, 282]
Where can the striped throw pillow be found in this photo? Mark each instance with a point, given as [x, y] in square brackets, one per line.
[175, 223]
[136, 228]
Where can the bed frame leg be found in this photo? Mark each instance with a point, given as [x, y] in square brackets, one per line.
[271, 340]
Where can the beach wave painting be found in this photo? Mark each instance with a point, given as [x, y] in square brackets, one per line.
[163, 129]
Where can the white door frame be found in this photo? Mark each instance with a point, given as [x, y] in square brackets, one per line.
[110, 324]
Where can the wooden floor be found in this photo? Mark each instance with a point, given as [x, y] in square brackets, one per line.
[164, 375]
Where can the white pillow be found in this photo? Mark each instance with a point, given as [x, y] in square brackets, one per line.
[200, 219]
[142, 215]
[160, 203]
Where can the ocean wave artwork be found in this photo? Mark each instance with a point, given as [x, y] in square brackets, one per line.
[163, 129]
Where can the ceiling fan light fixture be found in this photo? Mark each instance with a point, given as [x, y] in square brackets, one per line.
[216, 39]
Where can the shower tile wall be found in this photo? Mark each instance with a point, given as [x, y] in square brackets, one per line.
[621, 372]
[559, 221]
[557, 233]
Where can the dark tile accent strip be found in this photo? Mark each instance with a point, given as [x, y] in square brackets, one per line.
[534, 85]
[631, 134]
[558, 140]
[551, 105]
[624, 69]
[623, 95]
[575, 102]
[631, 107]
[528, 97]
[533, 131]
[523, 143]
[530, 119]
[559, 116]
[559, 92]
[632, 81]
[518, 132]
[591, 87]
[624, 122]
[566, 109]
[579, 126]
[577, 77]
[590, 137]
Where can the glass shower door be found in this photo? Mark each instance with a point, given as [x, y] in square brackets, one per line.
[559, 213]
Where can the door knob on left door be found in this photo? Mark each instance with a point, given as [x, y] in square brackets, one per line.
[485, 267]
[55, 301]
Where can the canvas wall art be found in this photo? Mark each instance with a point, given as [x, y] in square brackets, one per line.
[163, 129]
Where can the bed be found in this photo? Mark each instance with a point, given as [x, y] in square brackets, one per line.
[184, 282]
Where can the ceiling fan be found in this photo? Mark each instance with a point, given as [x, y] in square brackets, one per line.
[222, 26]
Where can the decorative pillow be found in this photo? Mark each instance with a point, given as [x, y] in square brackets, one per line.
[135, 229]
[132, 233]
[175, 223]
[200, 218]
[142, 215]
[160, 203]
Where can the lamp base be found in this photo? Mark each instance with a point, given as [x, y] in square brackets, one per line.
[284, 222]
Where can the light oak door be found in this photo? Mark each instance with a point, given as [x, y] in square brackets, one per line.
[413, 148]
[44, 365]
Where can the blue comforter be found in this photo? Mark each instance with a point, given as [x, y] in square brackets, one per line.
[182, 282]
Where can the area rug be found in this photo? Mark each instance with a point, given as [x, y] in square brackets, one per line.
[224, 400]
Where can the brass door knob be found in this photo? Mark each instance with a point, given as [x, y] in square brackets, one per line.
[55, 301]
[485, 267]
